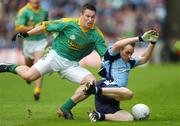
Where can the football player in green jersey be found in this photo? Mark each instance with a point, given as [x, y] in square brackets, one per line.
[77, 37]
[33, 46]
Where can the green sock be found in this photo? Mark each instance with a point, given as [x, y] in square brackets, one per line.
[12, 68]
[68, 105]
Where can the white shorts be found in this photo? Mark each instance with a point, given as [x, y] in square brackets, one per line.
[70, 70]
[29, 47]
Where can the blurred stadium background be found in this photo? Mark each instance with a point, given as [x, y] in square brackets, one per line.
[116, 18]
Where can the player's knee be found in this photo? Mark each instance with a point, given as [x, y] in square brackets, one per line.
[29, 76]
[128, 94]
[88, 78]
[80, 90]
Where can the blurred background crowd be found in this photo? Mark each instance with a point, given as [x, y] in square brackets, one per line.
[116, 18]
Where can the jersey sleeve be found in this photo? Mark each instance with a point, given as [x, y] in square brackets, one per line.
[137, 61]
[21, 19]
[55, 25]
[111, 52]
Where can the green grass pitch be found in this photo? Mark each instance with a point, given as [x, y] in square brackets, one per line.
[158, 86]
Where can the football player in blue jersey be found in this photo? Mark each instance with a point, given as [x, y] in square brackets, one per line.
[115, 70]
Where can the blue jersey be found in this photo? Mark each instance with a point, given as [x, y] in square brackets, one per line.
[119, 68]
[116, 69]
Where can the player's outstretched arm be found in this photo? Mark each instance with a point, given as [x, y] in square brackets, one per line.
[22, 35]
[121, 43]
[149, 36]
[152, 37]
[37, 30]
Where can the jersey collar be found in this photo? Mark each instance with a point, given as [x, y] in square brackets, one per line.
[80, 22]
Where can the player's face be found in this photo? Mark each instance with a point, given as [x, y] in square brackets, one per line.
[35, 3]
[88, 18]
[127, 52]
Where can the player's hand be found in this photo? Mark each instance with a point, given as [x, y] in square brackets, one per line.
[150, 36]
[20, 35]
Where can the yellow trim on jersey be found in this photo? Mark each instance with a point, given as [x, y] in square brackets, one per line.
[80, 24]
[19, 27]
[22, 9]
[68, 19]
[44, 23]
[62, 20]
[99, 31]
[44, 26]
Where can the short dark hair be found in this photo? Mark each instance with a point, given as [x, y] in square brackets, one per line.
[88, 6]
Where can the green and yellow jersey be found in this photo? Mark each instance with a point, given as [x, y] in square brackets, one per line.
[72, 42]
[27, 16]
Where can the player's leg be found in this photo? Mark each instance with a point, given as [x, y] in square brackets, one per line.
[82, 77]
[79, 93]
[42, 67]
[23, 71]
[120, 115]
[38, 82]
[34, 50]
[28, 73]
[27, 53]
[29, 63]
[119, 93]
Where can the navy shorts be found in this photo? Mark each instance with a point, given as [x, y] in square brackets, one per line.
[105, 104]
